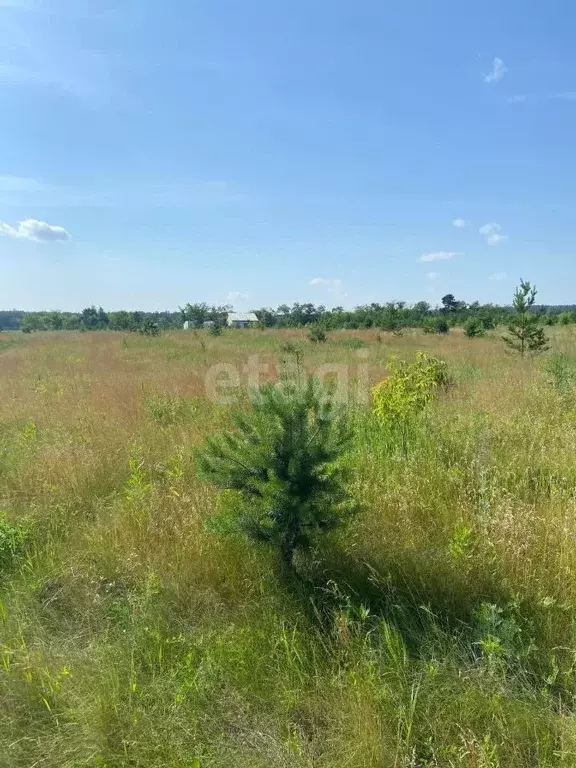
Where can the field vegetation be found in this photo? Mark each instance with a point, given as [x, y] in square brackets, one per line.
[146, 623]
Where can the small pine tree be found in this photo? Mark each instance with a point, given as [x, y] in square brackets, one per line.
[526, 332]
[437, 325]
[474, 328]
[282, 461]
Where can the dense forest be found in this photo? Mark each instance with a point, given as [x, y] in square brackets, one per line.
[390, 316]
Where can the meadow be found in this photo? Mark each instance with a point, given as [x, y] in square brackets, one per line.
[437, 630]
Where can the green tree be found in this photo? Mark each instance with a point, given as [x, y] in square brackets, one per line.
[282, 462]
[526, 334]
[474, 328]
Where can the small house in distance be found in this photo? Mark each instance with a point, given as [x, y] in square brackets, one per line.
[241, 319]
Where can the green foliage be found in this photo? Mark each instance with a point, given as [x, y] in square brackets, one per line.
[216, 330]
[436, 325]
[149, 328]
[391, 317]
[12, 541]
[474, 328]
[282, 463]
[198, 314]
[408, 389]
[566, 318]
[526, 334]
[317, 334]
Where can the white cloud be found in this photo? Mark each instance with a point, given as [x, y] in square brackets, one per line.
[332, 285]
[499, 276]
[493, 233]
[499, 69]
[433, 275]
[565, 96]
[459, 223]
[518, 98]
[38, 231]
[438, 256]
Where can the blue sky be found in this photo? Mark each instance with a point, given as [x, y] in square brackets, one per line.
[257, 153]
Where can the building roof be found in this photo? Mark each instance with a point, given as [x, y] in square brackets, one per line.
[241, 317]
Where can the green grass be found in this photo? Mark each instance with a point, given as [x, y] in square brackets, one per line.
[437, 631]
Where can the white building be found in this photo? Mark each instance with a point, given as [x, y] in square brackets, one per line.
[241, 319]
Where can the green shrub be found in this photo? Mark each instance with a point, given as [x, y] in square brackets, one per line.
[407, 391]
[149, 328]
[216, 330]
[566, 318]
[474, 328]
[317, 334]
[282, 465]
[437, 325]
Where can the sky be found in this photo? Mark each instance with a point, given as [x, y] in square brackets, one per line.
[256, 153]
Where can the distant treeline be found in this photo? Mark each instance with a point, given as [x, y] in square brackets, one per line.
[390, 316]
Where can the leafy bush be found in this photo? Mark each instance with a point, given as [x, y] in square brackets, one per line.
[317, 334]
[437, 325]
[488, 322]
[149, 328]
[474, 328]
[566, 318]
[282, 463]
[408, 390]
[216, 330]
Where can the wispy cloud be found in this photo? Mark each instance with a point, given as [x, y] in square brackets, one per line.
[492, 232]
[460, 223]
[499, 276]
[38, 231]
[438, 256]
[433, 275]
[497, 72]
[332, 285]
[518, 98]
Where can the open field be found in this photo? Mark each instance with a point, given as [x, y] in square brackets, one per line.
[438, 630]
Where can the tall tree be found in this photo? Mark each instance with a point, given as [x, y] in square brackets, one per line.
[526, 334]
